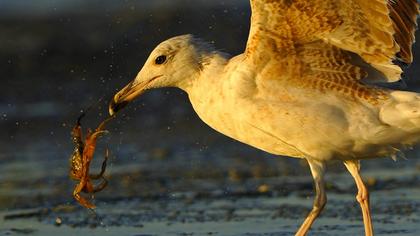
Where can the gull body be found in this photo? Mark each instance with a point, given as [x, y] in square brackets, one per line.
[303, 87]
[285, 120]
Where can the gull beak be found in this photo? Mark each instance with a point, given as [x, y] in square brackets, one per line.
[129, 93]
[125, 96]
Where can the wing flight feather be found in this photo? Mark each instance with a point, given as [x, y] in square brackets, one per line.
[379, 31]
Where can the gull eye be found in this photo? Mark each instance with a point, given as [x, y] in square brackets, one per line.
[160, 60]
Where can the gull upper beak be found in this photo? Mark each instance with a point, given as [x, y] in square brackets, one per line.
[125, 96]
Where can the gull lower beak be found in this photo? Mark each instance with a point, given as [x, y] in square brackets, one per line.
[125, 96]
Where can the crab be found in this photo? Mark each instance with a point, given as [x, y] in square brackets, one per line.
[80, 162]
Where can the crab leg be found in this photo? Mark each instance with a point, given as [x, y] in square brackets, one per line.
[101, 186]
[103, 168]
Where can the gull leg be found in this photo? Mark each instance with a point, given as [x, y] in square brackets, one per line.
[317, 170]
[362, 196]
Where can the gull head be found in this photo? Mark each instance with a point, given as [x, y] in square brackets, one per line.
[175, 62]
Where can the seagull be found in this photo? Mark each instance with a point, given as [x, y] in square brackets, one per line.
[308, 84]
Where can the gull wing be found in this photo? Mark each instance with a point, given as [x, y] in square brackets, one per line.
[378, 31]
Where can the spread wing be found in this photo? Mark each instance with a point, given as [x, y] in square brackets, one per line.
[332, 38]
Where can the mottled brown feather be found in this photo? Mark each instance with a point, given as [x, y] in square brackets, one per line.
[328, 68]
[376, 30]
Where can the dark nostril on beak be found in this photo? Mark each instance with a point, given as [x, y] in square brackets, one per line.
[114, 107]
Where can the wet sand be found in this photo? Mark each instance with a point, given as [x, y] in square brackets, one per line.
[146, 202]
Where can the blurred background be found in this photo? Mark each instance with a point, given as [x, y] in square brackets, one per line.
[59, 57]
